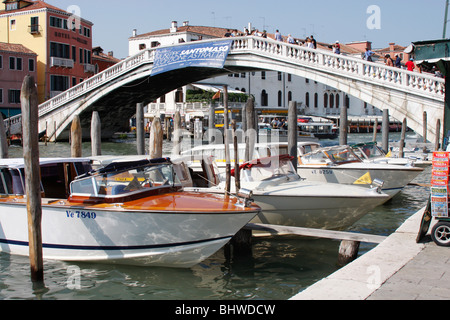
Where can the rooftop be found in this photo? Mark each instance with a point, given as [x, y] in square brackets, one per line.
[35, 5]
[15, 48]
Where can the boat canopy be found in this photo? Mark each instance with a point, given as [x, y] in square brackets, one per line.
[264, 162]
[119, 179]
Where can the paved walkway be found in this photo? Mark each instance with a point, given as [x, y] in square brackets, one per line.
[397, 269]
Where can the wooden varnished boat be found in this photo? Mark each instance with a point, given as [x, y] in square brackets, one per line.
[129, 213]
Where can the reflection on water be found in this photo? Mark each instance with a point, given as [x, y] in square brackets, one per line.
[277, 269]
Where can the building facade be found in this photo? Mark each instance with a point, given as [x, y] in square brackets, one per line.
[16, 62]
[61, 40]
[270, 89]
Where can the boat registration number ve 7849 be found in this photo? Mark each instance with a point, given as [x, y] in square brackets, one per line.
[81, 214]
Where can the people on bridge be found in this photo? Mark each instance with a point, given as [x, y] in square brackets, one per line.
[290, 39]
[388, 60]
[368, 55]
[398, 61]
[337, 48]
[410, 65]
[314, 42]
[278, 36]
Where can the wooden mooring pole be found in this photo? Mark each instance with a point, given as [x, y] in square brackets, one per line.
[226, 132]
[76, 137]
[437, 144]
[177, 133]
[30, 131]
[293, 132]
[385, 131]
[96, 135]
[343, 124]
[156, 139]
[140, 132]
[3, 142]
[401, 152]
[250, 133]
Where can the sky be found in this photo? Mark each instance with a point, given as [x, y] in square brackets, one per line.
[378, 21]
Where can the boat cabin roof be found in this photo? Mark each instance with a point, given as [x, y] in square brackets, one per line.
[19, 163]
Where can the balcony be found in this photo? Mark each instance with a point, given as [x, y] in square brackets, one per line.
[89, 68]
[61, 62]
[34, 29]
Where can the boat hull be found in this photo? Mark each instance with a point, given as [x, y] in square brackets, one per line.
[311, 204]
[395, 178]
[333, 213]
[147, 238]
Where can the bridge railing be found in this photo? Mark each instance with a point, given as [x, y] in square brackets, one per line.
[426, 84]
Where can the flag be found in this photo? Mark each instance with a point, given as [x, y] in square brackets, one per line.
[216, 96]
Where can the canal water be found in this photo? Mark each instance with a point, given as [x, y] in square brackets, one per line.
[278, 268]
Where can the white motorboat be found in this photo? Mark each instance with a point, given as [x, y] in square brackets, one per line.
[286, 199]
[339, 164]
[126, 213]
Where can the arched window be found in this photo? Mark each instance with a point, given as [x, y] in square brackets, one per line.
[325, 100]
[307, 99]
[280, 98]
[316, 100]
[264, 98]
[289, 96]
[338, 101]
[331, 101]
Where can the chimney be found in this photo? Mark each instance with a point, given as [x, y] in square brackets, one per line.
[391, 46]
[185, 23]
[174, 27]
[134, 32]
[111, 54]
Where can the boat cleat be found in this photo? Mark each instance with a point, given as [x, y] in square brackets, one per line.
[245, 198]
[377, 184]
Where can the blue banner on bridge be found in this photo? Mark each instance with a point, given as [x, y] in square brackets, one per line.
[208, 55]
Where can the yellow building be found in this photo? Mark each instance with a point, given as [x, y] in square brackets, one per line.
[61, 40]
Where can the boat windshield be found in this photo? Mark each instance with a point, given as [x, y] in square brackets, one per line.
[332, 155]
[342, 155]
[368, 151]
[128, 181]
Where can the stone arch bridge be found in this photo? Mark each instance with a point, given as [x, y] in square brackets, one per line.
[115, 92]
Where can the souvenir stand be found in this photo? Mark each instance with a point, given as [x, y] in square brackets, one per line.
[440, 198]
